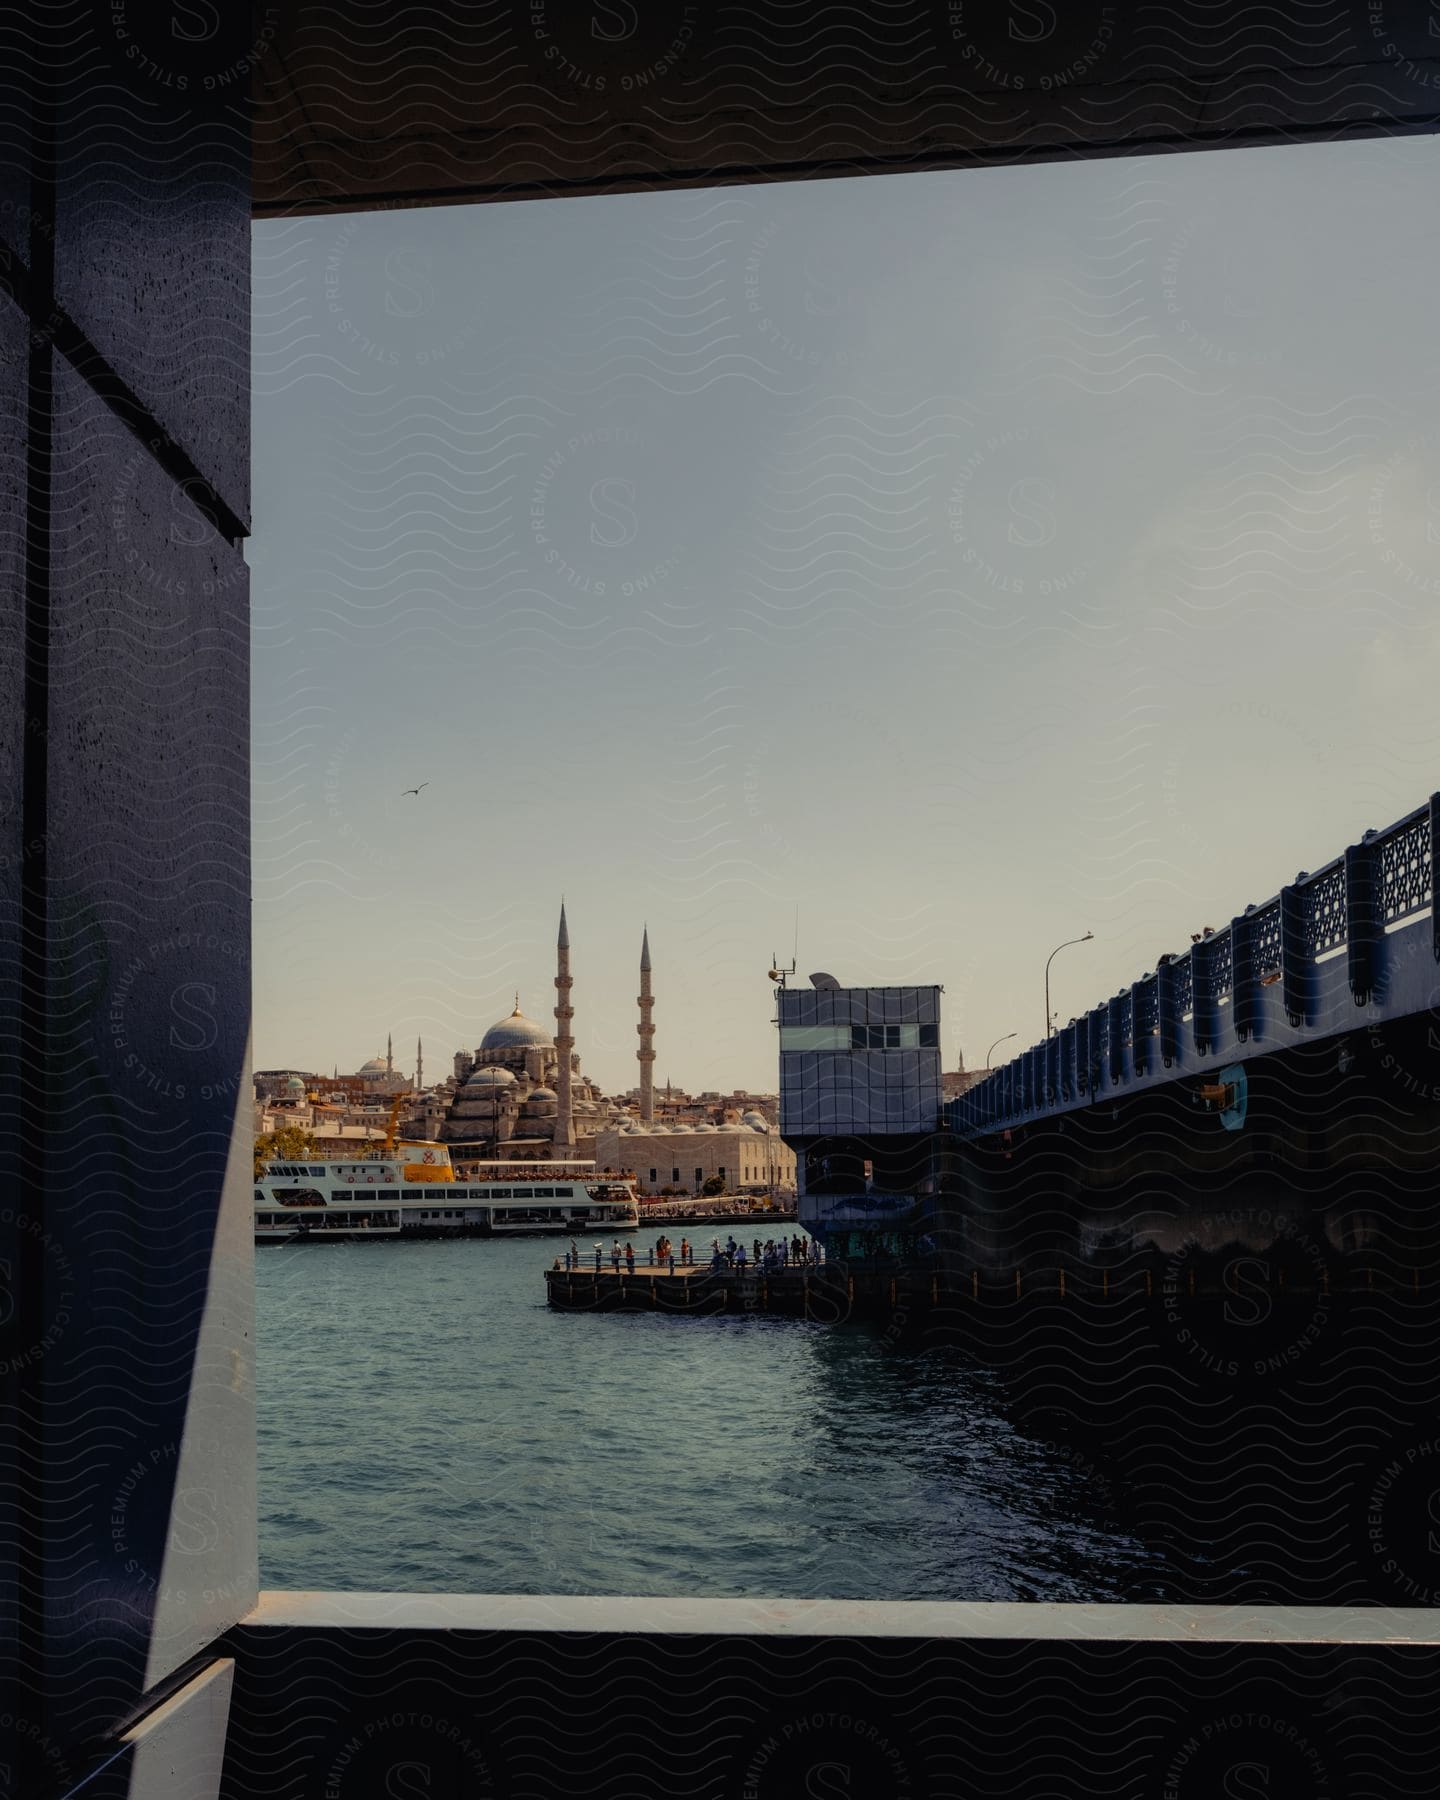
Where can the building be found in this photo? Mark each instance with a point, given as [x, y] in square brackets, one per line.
[521, 1094]
[861, 1100]
[745, 1153]
[375, 1081]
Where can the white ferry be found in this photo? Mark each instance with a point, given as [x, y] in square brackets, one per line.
[413, 1191]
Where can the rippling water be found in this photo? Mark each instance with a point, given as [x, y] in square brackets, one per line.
[427, 1423]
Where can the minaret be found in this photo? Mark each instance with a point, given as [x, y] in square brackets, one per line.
[645, 1055]
[419, 1066]
[389, 1055]
[564, 1043]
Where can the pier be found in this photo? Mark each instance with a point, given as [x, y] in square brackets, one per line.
[824, 1293]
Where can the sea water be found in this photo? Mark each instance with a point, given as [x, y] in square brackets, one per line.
[427, 1423]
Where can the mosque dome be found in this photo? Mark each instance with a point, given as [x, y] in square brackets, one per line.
[490, 1078]
[543, 1093]
[375, 1066]
[516, 1033]
[294, 1085]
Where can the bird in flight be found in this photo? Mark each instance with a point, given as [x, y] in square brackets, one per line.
[414, 790]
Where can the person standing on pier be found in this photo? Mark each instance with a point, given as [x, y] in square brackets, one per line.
[740, 1258]
[685, 1250]
[629, 1259]
[615, 1256]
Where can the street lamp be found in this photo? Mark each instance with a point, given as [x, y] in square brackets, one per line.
[1048, 960]
[990, 1053]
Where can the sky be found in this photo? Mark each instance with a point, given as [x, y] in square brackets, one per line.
[902, 575]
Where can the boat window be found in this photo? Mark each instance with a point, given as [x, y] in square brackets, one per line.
[387, 1193]
[543, 1193]
[564, 1193]
[338, 1196]
[412, 1193]
[299, 1197]
[500, 1194]
[319, 1171]
[259, 1193]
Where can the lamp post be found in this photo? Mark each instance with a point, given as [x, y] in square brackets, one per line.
[990, 1053]
[1048, 960]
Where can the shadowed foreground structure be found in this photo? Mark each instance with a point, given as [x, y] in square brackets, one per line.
[137, 1659]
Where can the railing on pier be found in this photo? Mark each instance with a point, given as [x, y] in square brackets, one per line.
[702, 1260]
[1385, 880]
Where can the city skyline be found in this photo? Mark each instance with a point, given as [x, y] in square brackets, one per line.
[968, 563]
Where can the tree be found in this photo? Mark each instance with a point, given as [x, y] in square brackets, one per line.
[715, 1185]
[291, 1143]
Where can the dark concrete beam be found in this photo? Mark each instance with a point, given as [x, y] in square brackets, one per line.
[409, 106]
[370, 1695]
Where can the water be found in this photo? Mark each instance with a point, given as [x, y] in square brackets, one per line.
[427, 1423]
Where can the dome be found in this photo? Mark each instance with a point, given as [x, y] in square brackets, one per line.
[294, 1085]
[543, 1093]
[375, 1066]
[752, 1118]
[490, 1078]
[516, 1033]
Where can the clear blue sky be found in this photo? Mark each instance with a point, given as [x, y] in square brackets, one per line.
[965, 560]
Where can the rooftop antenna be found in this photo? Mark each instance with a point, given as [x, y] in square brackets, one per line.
[778, 971]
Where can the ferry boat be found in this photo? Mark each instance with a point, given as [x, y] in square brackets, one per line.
[414, 1191]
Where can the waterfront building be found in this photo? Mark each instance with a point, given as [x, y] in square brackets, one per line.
[861, 1101]
[745, 1153]
[521, 1094]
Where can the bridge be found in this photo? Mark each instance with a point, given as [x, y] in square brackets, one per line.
[1354, 945]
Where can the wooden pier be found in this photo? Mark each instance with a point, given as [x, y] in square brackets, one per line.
[825, 1294]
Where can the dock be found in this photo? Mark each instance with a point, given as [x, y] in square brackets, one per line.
[824, 1293]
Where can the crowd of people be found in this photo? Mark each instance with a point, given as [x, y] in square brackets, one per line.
[774, 1253]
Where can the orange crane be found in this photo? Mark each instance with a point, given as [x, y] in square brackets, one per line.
[395, 1106]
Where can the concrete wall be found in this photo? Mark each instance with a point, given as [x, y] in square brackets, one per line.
[125, 881]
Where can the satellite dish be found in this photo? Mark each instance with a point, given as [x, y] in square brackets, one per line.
[822, 980]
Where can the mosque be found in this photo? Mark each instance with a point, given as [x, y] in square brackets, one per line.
[522, 1096]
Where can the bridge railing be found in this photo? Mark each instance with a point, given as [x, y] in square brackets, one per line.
[1349, 905]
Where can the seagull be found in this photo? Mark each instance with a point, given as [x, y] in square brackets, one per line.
[414, 790]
